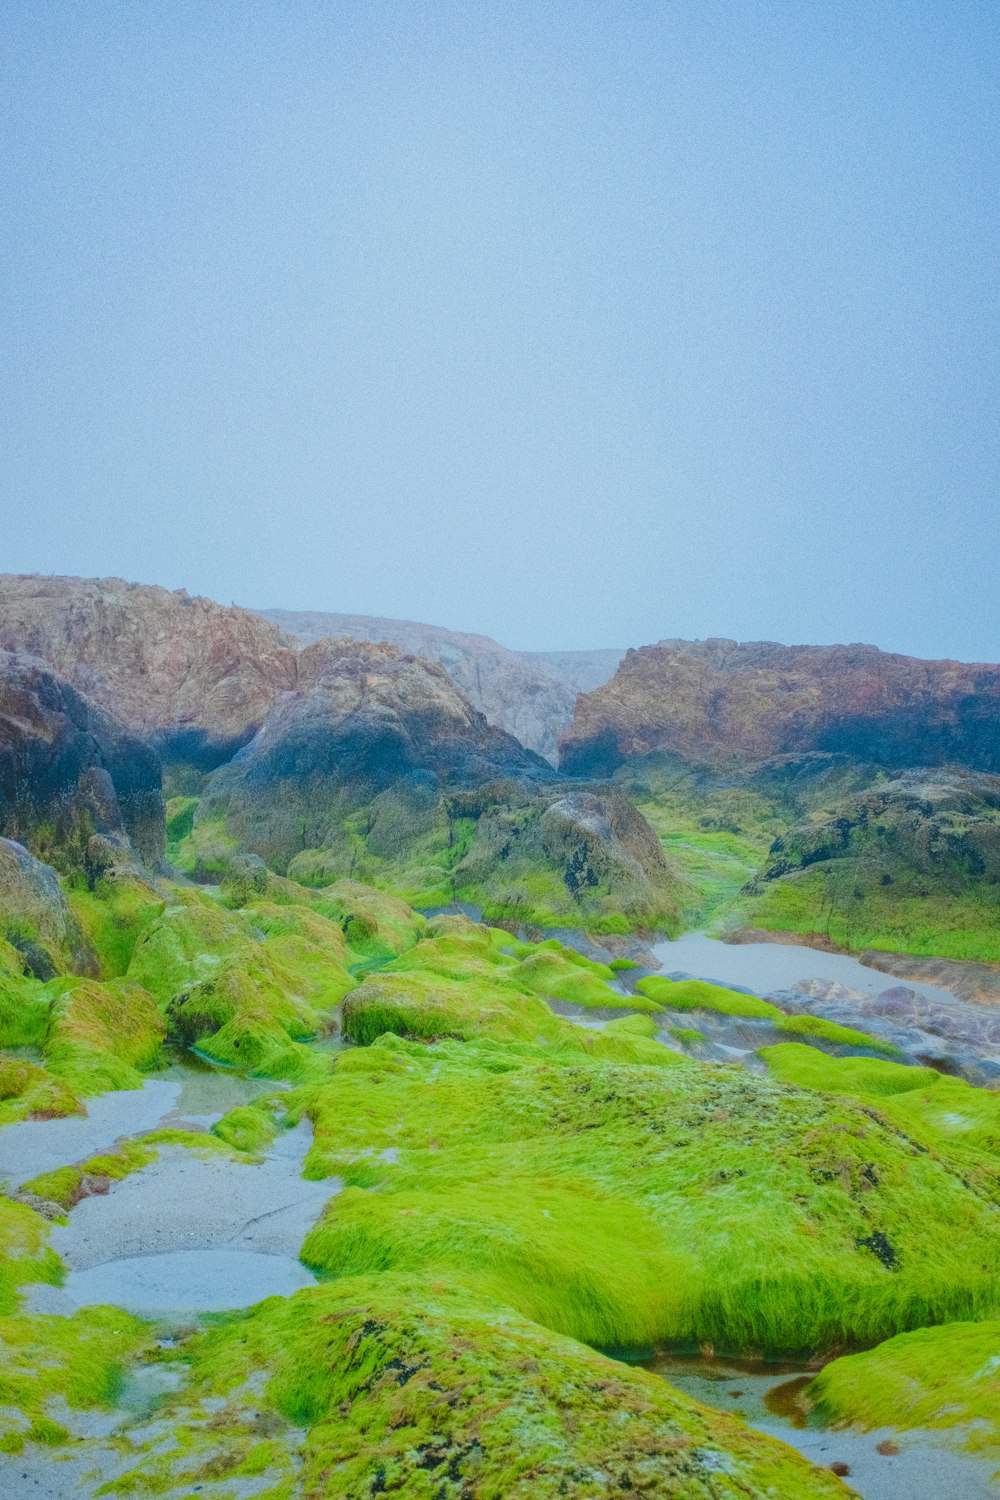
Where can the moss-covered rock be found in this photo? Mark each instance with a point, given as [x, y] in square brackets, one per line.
[389, 1386]
[946, 1379]
[630, 1205]
[35, 917]
[100, 1036]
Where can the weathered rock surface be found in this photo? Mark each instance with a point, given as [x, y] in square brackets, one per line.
[194, 677]
[69, 770]
[368, 723]
[720, 702]
[939, 823]
[35, 916]
[529, 693]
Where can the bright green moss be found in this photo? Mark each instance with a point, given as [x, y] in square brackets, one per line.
[820, 1030]
[101, 1035]
[24, 1257]
[80, 1359]
[248, 1127]
[939, 1378]
[696, 994]
[111, 918]
[28, 1091]
[185, 945]
[945, 1116]
[421, 1391]
[66, 1185]
[24, 1011]
[914, 914]
[739, 1211]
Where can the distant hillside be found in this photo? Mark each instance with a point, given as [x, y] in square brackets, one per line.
[531, 694]
[727, 703]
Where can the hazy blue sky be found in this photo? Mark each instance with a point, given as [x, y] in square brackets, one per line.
[578, 324]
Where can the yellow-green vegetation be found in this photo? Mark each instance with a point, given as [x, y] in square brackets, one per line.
[249, 1128]
[913, 914]
[29, 1091]
[24, 1255]
[101, 1035]
[66, 1185]
[940, 1378]
[946, 1117]
[111, 917]
[628, 1205]
[247, 988]
[387, 1385]
[718, 837]
[80, 1359]
[696, 994]
[465, 980]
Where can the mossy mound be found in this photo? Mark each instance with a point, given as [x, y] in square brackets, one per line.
[628, 1205]
[421, 1391]
[946, 1117]
[697, 994]
[28, 1091]
[24, 1257]
[101, 1035]
[65, 1186]
[246, 987]
[945, 1379]
[112, 916]
[35, 917]
[460, 981]
[910, 864]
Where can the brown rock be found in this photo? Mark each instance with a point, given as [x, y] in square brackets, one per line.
[721, 703]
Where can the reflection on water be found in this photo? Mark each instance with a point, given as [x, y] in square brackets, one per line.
[763, 967]
[879, 1465]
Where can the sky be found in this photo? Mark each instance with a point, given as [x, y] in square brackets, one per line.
[577, 324]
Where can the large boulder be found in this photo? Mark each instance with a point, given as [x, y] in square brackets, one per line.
[529, 693]
[371, 730]
[69, 770]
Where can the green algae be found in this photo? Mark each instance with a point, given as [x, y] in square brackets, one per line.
[246, 995]
[67, 1185]
[696, 994]
[80, 1359]
[945, 1117]
[249, 1128]
[388, 1385]
[945, 1379]
[27, 1091]
[24, 1255]
[101, 1036]
[112, 917]
[629, 1205]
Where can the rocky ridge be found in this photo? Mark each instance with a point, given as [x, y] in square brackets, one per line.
[531, 694]
[726, 704]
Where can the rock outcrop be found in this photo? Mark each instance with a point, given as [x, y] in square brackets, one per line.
[529, 693]
[720, 703]
[369, 729]
[69, 770]
[193, 677]
[35, 916]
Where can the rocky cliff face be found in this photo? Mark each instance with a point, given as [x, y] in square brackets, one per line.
[721, 703]
[69, 770]
[530, 694]
[191, 676]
